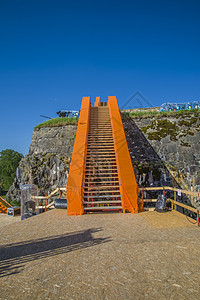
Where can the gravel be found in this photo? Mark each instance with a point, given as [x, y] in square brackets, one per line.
[100, 256]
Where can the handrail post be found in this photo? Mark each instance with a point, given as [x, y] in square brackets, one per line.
[46, 202]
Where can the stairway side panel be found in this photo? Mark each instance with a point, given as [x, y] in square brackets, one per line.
[128, 186]
[77, 166]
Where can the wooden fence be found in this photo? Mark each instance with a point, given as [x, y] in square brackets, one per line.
[174, 202]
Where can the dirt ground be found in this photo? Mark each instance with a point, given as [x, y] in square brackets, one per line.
[7, 220]
[100, 256]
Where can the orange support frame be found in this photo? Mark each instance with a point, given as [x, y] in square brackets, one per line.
[77, 167]
[128, 186]
[97, 102]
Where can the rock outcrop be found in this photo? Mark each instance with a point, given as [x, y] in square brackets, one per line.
[47, 163]
[176, 141]
[164, 151]
[56, 140]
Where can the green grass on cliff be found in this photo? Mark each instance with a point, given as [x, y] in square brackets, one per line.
[57, 122]
[158, 114]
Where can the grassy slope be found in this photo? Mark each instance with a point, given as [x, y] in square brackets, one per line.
[158, 114]
[57, 122]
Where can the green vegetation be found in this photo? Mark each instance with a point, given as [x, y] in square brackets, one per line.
[188, 123]
[185, 144]
[157, 114]
[9, 161]
[3, 195]
[146, 167]
[181, 123]
[12, 202]
[175, 125]
[161, 128]
[57, 122]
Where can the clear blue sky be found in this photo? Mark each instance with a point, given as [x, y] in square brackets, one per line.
[54, 52]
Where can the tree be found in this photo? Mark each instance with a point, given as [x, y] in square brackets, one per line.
[9, 161]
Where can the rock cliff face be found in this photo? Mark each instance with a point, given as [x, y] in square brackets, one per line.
[176, 142]
[56, 140]
[164, 151]
[47, 163]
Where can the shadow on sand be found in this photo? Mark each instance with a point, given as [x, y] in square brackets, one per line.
[13, 257]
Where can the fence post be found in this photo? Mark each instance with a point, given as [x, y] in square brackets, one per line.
[163, 191]
[197, 217]
[46, 203]
[175, 199]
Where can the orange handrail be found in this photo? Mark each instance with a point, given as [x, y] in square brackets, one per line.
[78, 161]
[128, 186]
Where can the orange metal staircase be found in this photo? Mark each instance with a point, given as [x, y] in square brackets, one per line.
[101, 176]
[101, 184]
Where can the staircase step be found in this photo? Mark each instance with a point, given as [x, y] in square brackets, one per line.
[99, 169]
[96, 173]
[99, 164]
[101, 159]
[94, 192]
[102, 125]
[96, 176]
[102, 207]
[104, 140]
[103, 196]
[98, 138]
[101, 177]
[101, 135]
[101, 130]
[100, 183]
[99, 187]
[100, 147]
[97, 156]
[101, 151]
[102, 202]
[100, 143]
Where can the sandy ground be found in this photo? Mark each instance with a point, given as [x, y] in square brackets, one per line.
[100, 256]
[7, 220]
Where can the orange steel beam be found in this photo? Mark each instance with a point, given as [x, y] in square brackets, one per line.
[77, 167]
[98, 101]
[128, 186]
[4, 202]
